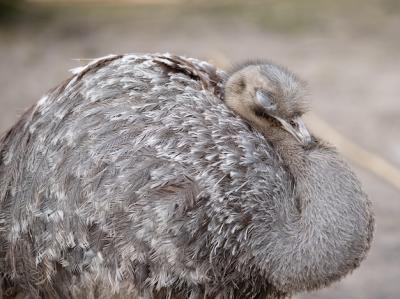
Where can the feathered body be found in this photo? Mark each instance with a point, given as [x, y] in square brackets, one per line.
[132, 179]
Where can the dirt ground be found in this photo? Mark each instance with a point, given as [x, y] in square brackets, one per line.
[349, 52]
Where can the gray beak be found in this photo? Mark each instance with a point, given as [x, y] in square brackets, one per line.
[298, 129]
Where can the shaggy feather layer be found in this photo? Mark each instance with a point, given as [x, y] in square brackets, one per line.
[132, 179]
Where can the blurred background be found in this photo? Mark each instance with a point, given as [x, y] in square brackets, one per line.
[348, 51]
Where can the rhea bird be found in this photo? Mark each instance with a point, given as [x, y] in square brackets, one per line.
[159, 176]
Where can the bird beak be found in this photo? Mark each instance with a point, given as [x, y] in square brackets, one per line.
[298, 129]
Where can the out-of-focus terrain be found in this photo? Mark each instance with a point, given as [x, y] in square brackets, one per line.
[348, 51]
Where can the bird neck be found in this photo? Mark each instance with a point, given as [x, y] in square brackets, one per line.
[331, 231]
[288, 148]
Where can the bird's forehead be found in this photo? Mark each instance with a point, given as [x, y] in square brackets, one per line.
[290, 89]
[256, 77]
[280, 77]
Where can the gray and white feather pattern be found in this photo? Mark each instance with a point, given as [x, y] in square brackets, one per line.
[133, 179]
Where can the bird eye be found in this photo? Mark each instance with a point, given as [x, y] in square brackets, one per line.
[293, 124]
[241, 83]
[264, 100]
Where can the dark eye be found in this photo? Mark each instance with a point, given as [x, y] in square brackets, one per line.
[293, 124]
[241, 84]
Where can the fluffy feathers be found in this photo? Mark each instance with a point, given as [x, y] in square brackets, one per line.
[132, 179]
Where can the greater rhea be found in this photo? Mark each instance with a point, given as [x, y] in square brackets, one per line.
[158, 176]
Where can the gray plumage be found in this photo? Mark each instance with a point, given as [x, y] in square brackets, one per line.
[134, 179]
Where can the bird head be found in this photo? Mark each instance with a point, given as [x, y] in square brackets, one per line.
[268, 95]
